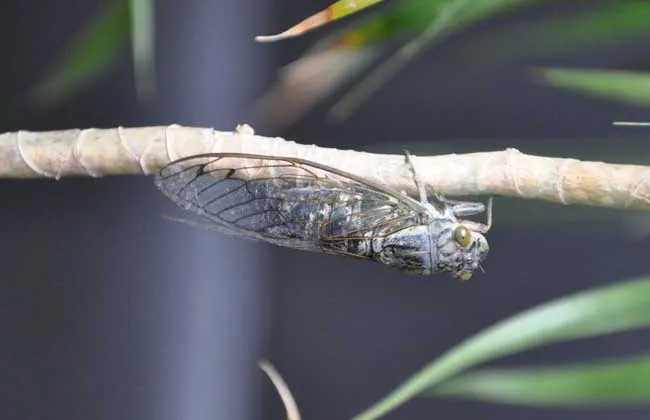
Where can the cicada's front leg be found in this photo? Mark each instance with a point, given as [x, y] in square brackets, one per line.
[476, 226]
[418, 184]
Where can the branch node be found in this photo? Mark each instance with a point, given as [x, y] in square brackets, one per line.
[560, 179]
[511, 155]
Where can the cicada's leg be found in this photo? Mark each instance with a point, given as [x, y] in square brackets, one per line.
[489, 213]
[421, 191]
[480, 227]
[465, 208]
[458, 208]
[435, 199]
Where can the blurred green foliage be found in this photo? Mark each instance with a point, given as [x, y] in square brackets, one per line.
[593, 384]
[626, 86]
[143, 47]
[428, 20]
[90, 56]
[421, 22]
[606, 310]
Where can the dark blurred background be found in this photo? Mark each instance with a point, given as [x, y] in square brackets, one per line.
[110, 311]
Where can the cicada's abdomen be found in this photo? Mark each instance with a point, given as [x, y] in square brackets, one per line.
[311, 215]
[332, 220]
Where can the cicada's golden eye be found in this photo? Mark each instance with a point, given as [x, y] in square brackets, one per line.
[463, 236]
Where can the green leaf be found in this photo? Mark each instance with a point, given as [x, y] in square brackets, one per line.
[608, 23]
[594, 29]
[88, 57]
[143, 47]
[613, 382]
[623, 20]
[335, 11]
[625, 86]
[609, 309]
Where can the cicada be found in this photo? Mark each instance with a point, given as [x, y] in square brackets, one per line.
[305, 205]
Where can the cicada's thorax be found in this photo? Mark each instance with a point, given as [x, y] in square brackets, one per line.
[408, 250]
[356, 226]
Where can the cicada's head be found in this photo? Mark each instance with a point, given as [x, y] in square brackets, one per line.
[443, 246]
[457, 249]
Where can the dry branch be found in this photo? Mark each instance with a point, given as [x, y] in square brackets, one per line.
[281, 387]
[133, 151]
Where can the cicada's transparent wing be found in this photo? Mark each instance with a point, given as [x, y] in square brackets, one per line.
[285, 201]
